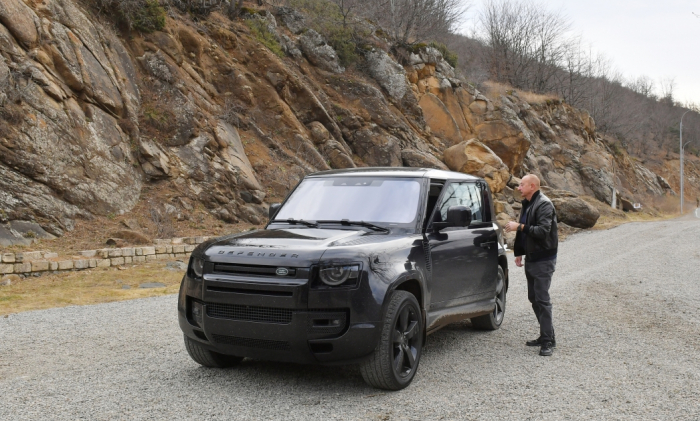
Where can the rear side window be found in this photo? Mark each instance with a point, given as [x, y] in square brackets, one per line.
[462, 194]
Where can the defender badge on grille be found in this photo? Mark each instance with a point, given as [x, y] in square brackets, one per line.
[282, 271]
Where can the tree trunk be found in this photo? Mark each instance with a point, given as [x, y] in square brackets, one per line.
[234, 8]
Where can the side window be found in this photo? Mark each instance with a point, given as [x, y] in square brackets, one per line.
[462, 194]
[475, 203]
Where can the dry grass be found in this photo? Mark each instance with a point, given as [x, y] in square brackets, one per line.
[86, 287]
[494, 90]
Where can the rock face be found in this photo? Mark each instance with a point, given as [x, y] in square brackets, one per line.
[319, 53]
[291, 18]
[22, 233]
[475, 158]
[389, 74]
[63, 156]
[414, 158]
[205, 110]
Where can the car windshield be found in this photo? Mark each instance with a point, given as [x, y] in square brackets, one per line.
[369, 199]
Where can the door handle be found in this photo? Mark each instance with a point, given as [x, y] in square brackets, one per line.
[487, 244]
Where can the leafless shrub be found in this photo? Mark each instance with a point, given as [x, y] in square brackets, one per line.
[164, 223]
[142, 15]
[410, 21]
[232, 111]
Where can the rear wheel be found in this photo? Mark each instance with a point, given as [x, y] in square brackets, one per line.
[209, 358]
[395, 360]
[493, 320]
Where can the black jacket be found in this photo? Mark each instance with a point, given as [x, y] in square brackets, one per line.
[541, 238]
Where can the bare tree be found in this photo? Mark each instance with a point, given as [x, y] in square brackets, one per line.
[667, 85]
[410, 21]
[527, 42]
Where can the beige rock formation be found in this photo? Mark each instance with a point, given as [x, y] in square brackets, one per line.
[506, 139]
[475, 158]
[439, 118]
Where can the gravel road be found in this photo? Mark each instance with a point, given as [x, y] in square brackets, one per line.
[626, 310]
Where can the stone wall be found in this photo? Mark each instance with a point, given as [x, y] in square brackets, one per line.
[43, 261]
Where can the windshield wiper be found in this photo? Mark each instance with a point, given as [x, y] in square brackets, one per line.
[360, 223]
[297, 221]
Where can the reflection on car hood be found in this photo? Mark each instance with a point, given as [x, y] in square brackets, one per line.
[297, 247]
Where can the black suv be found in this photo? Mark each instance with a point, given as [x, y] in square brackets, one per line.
[356, 266]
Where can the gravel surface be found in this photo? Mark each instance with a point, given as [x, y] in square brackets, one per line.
[626, 310]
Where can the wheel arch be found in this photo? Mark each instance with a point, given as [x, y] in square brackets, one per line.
[414, 286]
[503, 263]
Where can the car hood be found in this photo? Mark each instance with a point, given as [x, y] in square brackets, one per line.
[278, 247]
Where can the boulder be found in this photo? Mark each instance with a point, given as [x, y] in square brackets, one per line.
[291, 18]
[19, 19]
[235, 154]
[389, 74]
[575, 212]
[131, 237]
[304, 149]
[418, 159]
[475, 158]
[319, 53]
[377, 149]
[507, 138]
[319, 133]
[335, 153]
[154, 160]
[571, 209]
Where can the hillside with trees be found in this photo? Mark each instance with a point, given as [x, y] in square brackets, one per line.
[190, 116]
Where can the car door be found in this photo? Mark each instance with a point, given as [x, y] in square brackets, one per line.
[455, 252]
[485, 238]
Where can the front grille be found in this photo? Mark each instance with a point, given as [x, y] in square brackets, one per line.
[252, 343]
[253, 270]
[249, 313]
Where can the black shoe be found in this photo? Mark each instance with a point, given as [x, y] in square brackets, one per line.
[538, 342]
[546, 349]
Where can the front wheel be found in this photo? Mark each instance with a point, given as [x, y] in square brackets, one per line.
[394, 362]
[493, 320]
[209, 358]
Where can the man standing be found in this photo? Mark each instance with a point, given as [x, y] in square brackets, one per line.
[536, 239]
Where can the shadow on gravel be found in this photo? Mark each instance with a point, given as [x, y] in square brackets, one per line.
[276, 377]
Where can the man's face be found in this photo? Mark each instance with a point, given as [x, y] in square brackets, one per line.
[526, 187]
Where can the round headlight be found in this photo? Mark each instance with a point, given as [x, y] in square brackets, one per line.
[337, 275]
[197, 267]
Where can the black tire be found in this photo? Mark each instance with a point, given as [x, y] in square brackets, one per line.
[209, 358]
[493, 320]
[395, 360]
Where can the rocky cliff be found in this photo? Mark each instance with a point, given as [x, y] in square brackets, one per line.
[90, 115]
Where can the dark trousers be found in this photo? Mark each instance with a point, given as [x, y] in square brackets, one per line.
[539, 278]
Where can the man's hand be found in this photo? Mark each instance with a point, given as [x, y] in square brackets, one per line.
[511, 226]
[519, 261]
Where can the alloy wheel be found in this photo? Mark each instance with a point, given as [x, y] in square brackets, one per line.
[406, 341]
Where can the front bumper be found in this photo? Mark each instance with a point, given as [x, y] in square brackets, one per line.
[277, 321]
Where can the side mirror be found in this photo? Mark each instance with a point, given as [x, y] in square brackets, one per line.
[457, 216]
[274, 207]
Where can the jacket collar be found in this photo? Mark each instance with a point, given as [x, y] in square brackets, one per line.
[534, 197]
